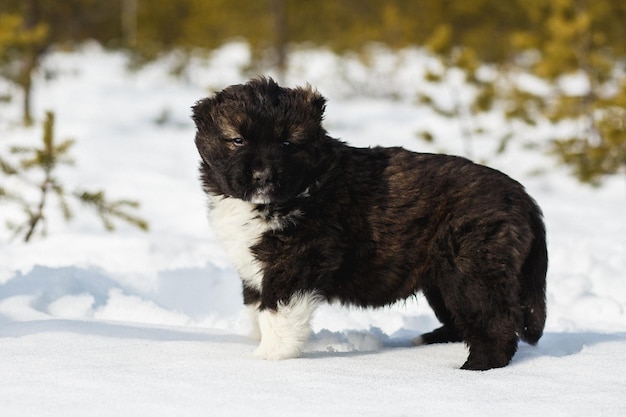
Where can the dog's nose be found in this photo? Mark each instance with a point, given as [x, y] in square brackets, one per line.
[262, 176]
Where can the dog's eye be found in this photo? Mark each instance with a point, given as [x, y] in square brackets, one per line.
[287, 143]
[239, 141]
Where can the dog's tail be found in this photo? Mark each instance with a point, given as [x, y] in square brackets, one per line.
[533, 283]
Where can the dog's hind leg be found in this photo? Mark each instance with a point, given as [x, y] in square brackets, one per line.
[286, 329]
[446, 333]
[443, 334]
[488, 317]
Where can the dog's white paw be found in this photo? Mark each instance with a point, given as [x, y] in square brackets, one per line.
[275, 346]
[276, 353]
[284, 331]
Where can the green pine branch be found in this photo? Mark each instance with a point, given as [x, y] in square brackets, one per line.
[110, 210]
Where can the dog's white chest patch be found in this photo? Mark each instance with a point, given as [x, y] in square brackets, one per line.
[239, 227]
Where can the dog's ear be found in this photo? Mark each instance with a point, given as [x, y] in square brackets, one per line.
[315, 100]
[201, 112]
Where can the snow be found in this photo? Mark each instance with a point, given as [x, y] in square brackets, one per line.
[130, 324]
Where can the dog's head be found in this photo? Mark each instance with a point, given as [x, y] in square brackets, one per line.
[260, 142]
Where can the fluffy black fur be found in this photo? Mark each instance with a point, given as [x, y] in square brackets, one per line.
[376, 225]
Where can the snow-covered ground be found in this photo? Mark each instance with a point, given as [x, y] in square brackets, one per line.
[133, 324]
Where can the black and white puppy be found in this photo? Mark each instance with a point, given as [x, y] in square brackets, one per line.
[306, 219]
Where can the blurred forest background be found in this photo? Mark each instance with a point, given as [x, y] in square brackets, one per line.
[491, 42]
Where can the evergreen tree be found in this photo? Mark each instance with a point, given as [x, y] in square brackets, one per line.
[581, 38]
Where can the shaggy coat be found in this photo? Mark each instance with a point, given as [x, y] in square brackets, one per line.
[306, 219]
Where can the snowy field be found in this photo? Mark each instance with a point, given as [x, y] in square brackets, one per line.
[151, 324]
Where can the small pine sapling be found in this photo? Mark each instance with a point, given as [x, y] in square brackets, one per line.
[45, 160]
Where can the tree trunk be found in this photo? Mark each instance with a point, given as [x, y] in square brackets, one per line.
[129, 22]
[279, 10]
[30, 12]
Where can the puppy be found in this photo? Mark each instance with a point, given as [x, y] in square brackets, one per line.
[307, 219]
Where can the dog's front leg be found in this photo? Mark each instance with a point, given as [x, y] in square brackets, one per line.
[285, 329]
